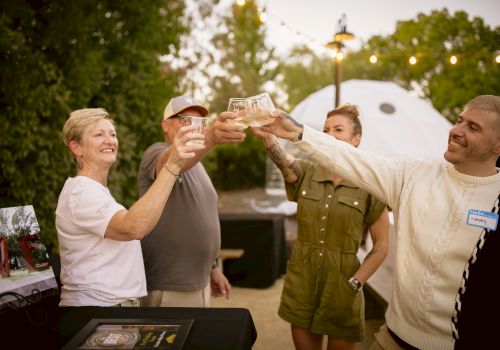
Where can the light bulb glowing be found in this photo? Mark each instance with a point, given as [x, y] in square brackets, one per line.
[412, 60]
[373, 59]
[453, 59]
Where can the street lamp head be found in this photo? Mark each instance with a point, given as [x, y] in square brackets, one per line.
[342, 34]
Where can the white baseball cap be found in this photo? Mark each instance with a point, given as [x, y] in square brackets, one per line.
[180, 103]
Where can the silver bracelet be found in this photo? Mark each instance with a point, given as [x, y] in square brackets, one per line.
[177, 176]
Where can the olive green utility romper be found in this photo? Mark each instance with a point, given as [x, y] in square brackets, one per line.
[331, 222]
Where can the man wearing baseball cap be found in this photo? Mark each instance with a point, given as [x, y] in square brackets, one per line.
[179, 253]
[180, 103]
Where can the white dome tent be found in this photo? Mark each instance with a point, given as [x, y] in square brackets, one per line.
[395, 122]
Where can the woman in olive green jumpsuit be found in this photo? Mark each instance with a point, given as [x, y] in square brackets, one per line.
[322, 290]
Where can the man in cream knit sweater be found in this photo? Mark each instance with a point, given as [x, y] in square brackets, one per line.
[440, 210]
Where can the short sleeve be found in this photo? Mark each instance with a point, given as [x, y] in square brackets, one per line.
[92, 207]
[292, 190]
[147, 169]
[376, 208]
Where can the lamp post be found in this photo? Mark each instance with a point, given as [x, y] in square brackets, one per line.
[336, 45]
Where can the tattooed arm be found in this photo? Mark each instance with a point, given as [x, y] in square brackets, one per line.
[285, 162]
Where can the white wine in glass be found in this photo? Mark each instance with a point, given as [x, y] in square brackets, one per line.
[253, 111]
[260, 107]
[239, 105]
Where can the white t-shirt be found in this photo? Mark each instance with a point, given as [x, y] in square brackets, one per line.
[95, 271]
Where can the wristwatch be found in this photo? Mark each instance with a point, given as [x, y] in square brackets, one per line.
[355, 284]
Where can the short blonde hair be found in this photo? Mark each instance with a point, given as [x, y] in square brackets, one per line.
[80, 120]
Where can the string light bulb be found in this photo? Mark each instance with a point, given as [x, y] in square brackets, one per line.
[412, 60]
[373, 59]
[453, 59]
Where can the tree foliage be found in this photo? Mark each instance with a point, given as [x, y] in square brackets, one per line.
[432, 39]
[244, 65]
[58, 56]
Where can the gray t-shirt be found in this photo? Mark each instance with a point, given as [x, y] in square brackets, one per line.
[180, 250]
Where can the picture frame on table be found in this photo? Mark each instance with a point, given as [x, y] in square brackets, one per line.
[26, 274]
[144, 334]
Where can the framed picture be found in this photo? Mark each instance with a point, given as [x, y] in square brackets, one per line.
[158, 334]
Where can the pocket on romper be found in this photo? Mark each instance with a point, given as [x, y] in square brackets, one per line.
[346, 306]
[308, 205]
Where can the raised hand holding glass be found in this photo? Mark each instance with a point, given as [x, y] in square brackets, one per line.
[199, 122]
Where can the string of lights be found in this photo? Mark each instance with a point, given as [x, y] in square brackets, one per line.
[313, 44]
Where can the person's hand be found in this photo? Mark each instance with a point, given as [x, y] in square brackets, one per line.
[284, 126]
[219, 284]
[223, 131]
[261, 133]
[185, 144]
[265, 136]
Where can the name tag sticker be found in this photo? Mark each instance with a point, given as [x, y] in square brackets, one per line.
[484, 219]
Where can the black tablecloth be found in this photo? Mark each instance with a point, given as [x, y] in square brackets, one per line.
[262, 236]
[44, 325]
[213, 328]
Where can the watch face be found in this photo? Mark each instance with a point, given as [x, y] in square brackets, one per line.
[355, 284]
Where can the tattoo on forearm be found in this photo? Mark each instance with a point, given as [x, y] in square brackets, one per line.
[277, 155]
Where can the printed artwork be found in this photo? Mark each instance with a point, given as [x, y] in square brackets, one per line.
[24, 261]
[131, 334]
